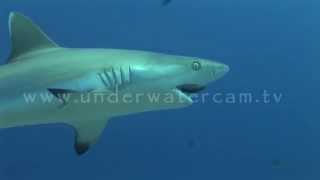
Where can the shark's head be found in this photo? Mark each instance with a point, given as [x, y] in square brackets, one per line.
[183, 76]
[192, 75]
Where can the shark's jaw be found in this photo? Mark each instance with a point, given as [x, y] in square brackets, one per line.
[187, 90]
[190, 88]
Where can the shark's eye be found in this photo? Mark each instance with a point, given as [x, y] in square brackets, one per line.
[196, 65]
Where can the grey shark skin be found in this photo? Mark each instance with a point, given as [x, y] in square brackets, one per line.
[37, 66]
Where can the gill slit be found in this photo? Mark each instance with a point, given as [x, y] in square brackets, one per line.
[112, 80]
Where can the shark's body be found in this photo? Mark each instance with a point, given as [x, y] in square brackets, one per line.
[38, 67]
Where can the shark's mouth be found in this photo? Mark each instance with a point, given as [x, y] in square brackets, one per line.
[190, 88]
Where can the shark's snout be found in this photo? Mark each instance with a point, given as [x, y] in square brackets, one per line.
[220, 71]
[211, 71]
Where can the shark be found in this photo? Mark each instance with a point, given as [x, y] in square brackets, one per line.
[43, 83]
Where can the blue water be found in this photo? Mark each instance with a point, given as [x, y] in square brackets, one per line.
[269, 44]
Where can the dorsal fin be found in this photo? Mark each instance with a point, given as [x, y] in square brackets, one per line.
[26, 36]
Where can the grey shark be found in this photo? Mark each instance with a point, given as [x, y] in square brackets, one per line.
[44, 83]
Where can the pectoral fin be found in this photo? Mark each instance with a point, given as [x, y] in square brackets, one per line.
[87, 133]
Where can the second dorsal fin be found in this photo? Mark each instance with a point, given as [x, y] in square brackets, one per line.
[26, 36]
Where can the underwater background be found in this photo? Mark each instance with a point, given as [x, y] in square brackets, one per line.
[270, 45]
